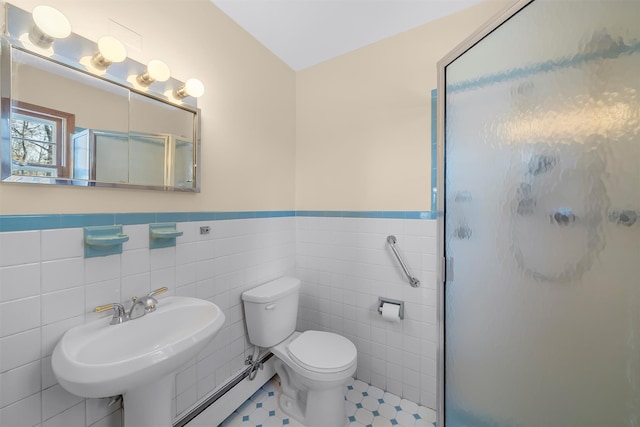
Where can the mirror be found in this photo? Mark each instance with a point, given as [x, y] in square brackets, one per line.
[158, 130]
[63, 125]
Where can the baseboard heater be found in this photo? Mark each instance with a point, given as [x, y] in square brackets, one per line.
[209, 401]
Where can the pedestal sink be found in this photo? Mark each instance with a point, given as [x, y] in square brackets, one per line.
[137, 358]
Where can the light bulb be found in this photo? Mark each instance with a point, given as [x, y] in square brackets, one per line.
[110, 50]
[49, 24]
[156, 71]
[192, 87]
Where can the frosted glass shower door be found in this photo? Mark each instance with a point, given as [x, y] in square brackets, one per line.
[542, 219]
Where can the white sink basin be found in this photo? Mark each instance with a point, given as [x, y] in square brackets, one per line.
[101, 360]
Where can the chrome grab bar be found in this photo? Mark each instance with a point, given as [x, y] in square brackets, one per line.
[391, 240]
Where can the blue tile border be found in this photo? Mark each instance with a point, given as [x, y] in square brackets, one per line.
[29, 222]
[53, 221]
[233, 215]
[135, 218]
[172, 217]
[274, 214]
[86, 220]
[370, 214]
[310, 213]
[202, 216]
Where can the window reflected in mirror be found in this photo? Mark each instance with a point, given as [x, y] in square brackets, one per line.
[39, 140]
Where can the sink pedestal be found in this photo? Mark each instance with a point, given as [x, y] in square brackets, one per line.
[149, 405]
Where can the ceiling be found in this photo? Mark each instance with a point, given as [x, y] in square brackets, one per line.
[306, 32]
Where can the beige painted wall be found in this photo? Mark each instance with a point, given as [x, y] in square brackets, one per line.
[248, 111]
[352, 133]
[364, 119]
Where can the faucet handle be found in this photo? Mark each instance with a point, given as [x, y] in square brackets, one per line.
[101, 308]
[119, 314]
[158, 291]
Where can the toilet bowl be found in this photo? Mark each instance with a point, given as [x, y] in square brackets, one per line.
[313, 365]
[312, 376]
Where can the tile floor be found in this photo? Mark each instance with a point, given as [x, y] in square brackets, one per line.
[367, 406]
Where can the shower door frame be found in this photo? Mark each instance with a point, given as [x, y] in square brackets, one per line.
[445, 267]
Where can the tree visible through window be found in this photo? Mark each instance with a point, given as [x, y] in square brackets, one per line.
[34, 146]
[39, 141]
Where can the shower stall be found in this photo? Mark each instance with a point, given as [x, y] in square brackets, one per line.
[539, 180]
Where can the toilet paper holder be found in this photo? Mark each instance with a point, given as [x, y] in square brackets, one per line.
[382, 301]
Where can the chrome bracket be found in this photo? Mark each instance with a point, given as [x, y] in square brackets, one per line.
[254, 364]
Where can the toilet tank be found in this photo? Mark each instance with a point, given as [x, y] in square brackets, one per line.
[271, 311]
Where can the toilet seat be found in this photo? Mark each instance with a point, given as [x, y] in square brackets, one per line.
[322, 352]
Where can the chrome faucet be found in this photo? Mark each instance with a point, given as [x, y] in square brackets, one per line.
[139, 307]
[146, 304]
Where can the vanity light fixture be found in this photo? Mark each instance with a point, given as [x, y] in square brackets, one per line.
[156, 71]
[49, 24]
[192, 87]
[110, 50]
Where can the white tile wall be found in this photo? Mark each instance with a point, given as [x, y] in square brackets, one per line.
[25, 412]
[47, 287]
[20, 281]
[345, 265]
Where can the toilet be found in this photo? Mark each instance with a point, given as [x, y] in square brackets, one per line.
[313, 365]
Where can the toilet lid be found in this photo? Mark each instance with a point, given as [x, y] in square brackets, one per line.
[322, 351]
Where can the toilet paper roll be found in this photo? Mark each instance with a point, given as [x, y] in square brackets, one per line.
[391, 312]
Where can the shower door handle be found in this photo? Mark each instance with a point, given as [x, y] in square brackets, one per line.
[447, 269]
